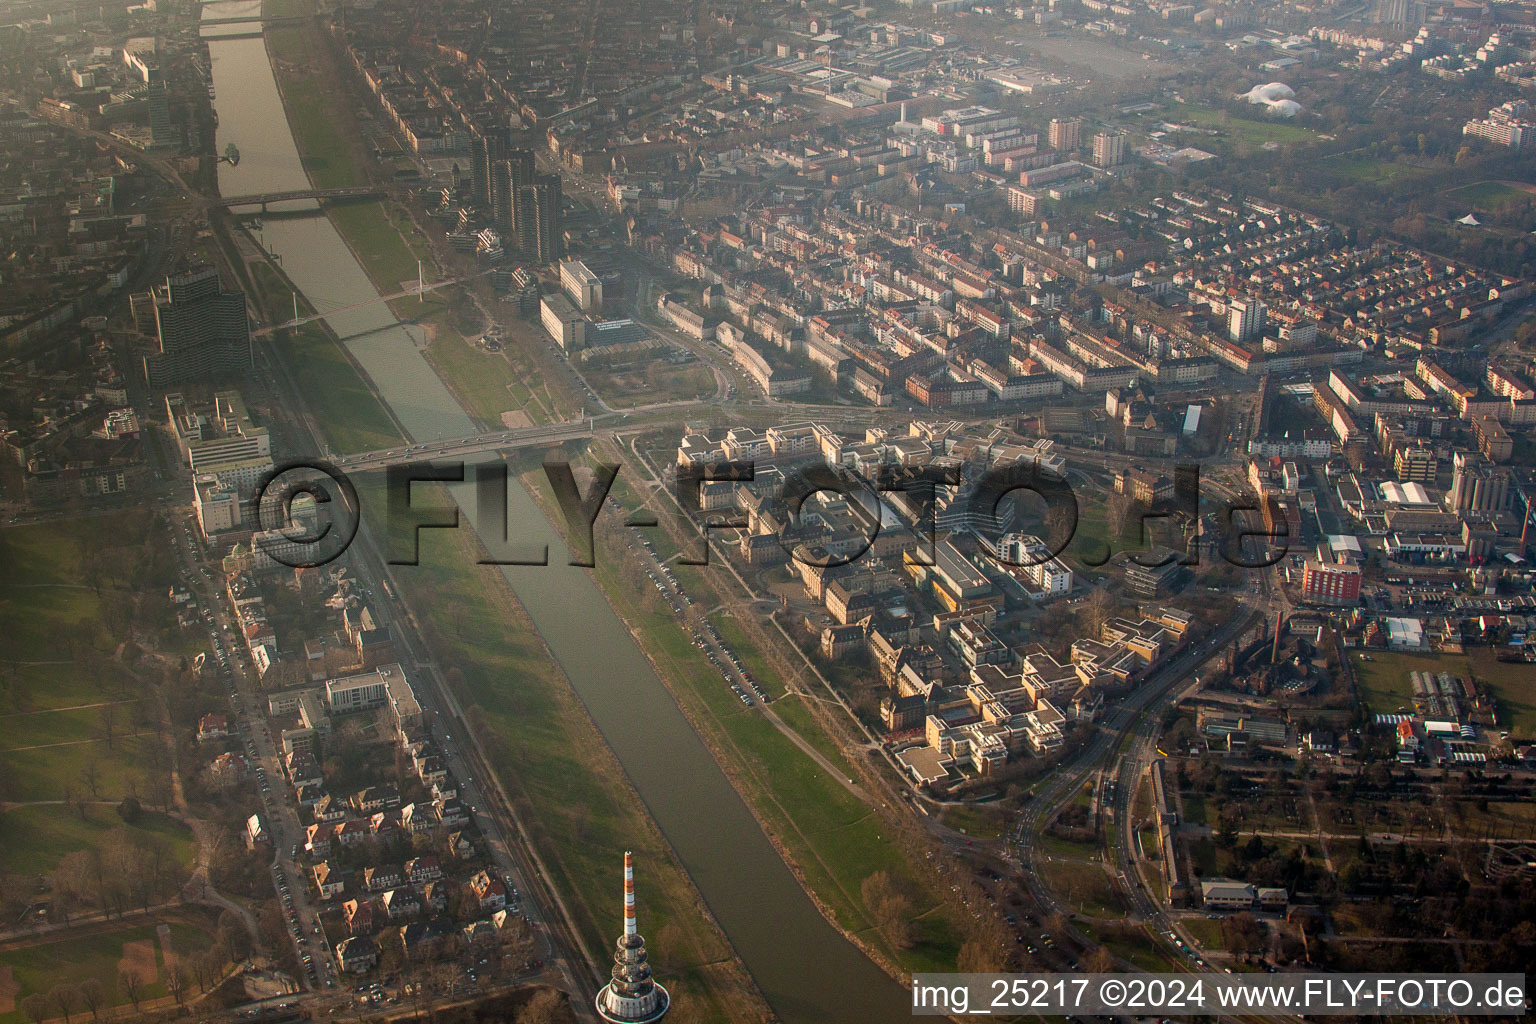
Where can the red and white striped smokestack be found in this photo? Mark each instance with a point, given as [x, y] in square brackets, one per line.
[629, 893]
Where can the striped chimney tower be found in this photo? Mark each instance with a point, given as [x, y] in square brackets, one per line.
[631, 995]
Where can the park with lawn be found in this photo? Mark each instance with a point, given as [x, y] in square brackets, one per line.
[85, 770]
[149, 962]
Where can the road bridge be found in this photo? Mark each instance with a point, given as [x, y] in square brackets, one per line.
[474, 444]
[263, 198]
[252, 19]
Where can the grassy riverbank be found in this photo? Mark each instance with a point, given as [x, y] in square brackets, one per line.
[834, 836]
[572, 794]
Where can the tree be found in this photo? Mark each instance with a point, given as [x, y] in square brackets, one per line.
[1098, 609]
[517, 939]
[234, 940]
[176, 983]
[132, 986]
[543, 1008]
[987, 950]
[889, 908]
[73, 880]
[130, 809]
[106, 725]
[67, 998]
[90, 778]
[93, 996]
[35, 1006]
[1099, 961]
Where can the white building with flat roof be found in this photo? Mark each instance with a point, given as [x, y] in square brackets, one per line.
[583, 286]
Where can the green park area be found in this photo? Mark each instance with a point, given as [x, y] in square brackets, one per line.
[1237, 131]
[111, 965]
[1369, 170]
[648, 379]
[1488, 196]
[77, 730]
[1083, 884]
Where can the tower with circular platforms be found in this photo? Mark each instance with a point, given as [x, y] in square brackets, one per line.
[631, 995]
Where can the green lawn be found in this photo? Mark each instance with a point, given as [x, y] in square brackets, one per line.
[35, 688]
[62, 627]
[1490, 195]
[33, 838]
[1384, 682]
[98, 955]
[358, 421]
[1369, 170]
[1253, 131]
[1057, 847]
[1513, 686]
[45, 773]
[482, 381]
[793, 712]
[1206, 932]
[654, 380]
[984, 821]
[1203, 852]
[1085, 886]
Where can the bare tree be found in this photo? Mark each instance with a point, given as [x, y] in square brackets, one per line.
[202, 969]
[106, 725]
[543, 1008]
[35, 1006]
[72, 879]
[67, 998]
[517, 939]
[176, 983]
[889, 908]
[93, 995]
[90, 778]
[132, 985]
[1100, 961]
[234, 940]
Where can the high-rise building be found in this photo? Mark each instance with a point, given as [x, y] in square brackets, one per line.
[162, 133]
[538, 219]
[488, 147]
[1065, 133]
[631, 995]
[1245, 319]
[584, 287]
[1109, 149]
[203, 331]
[509, 176]
[497, 172]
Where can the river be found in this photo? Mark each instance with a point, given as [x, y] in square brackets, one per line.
[809, 973]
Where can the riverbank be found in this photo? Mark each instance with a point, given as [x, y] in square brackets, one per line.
[570, 789]
[383, 247]
[828, 842]
[830, 839]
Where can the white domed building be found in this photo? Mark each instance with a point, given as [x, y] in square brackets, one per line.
[1278, 98]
